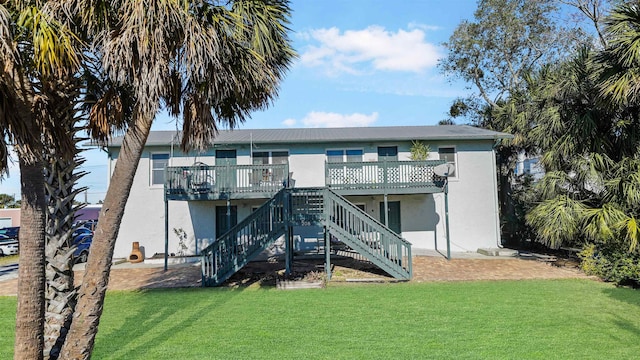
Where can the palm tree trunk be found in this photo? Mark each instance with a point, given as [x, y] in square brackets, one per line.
[30, 311]
[60, 293]
[84, 327]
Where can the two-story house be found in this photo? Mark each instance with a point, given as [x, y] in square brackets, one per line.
[342, 183]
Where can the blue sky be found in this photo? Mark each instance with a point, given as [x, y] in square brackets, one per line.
[361, 63]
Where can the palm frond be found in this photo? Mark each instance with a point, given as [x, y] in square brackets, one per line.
[600, 222]
[630, 229]
[8, 50]
[55, 47]
[557, 220]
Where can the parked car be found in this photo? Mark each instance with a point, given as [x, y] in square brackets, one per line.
[81, 253]
[11, 232]
[89, 224]
[8, 246]
[79, 233]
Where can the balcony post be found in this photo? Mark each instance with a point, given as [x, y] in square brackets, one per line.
[386, 197]
[446, 216]
[288, 236]
[166, 232]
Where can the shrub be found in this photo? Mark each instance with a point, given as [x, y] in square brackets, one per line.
[611, 263]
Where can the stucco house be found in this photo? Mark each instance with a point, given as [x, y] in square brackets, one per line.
[339, 183]
[9, 217]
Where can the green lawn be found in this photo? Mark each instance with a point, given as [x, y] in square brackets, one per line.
[563, 319]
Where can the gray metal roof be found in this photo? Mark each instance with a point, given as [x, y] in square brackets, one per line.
[332, 135]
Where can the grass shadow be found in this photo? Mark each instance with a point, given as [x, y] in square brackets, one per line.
[624, 294]
[158, 315]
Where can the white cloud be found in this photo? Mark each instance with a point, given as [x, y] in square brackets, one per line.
[317, 119]
[359, 51]
[289, 122]
[425, 27]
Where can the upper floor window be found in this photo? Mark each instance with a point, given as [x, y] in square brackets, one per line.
[387, 153]
[448, 154]
[270, 157]
[344, 155]
[270, 173]
[159, 162]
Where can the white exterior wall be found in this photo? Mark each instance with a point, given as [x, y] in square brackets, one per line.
[473, 211]
[473, 200]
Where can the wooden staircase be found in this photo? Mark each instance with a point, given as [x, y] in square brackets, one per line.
[306, 207]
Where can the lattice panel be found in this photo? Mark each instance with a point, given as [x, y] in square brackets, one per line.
[421, 174]
[393, 175]
[336, 176]
[353, 175]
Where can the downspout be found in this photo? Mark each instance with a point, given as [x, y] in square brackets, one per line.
[495, 194]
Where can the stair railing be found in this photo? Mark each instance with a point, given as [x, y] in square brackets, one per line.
[367, 236]
[235, 248]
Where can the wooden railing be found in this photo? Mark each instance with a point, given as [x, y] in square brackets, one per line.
[184, 182]
[367, 236]
[383, 175]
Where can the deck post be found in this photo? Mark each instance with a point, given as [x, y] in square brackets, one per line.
[386, 208]
[288, 236]
[327, 253]
[166, 233]
[386, 197]
[446, 217]
[287, 252]
[228, 213]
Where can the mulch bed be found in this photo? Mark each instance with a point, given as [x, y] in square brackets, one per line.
[425, 269]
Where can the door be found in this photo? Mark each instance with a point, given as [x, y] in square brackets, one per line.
[223, 221]
[225, 170]
[394, 216]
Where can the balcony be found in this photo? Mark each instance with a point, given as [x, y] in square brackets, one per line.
[224, 182]
[383, 177]
[263, 181]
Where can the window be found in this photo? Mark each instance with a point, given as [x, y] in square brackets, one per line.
[269, 173]
[261, 158]
[270, 157]
[387, 153]
[280, 157]
[448, 154]
[158, 163]
[347, 155]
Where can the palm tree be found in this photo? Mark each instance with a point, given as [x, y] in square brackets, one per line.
[34, 49]
[211, 62]
[591, 137]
